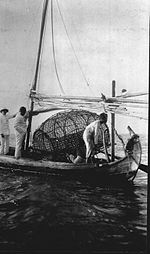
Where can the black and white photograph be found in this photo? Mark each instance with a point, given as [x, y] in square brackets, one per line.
[74, 111]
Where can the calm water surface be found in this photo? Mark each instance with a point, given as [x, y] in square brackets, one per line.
[51, 213]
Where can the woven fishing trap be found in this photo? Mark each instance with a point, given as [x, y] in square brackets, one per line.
[63, 133]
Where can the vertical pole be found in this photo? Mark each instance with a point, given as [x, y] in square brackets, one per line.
[113, 125]
[45, 6]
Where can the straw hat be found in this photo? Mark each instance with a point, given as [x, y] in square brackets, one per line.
[4, 109]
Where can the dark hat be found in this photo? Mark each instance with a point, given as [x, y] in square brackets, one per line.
[4, 109]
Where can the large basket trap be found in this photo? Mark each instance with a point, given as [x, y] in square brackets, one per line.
[62, 133]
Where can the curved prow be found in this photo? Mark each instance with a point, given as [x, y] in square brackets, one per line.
[131, 132]
[134, 151]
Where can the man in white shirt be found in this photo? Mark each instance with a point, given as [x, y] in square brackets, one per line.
[20, 127]
[93, 132]
[4, 130]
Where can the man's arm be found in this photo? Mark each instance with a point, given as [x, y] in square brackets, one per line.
[1, 131]
[11, 116]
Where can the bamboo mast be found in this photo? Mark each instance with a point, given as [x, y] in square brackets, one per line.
[113, 126]
[45, 6]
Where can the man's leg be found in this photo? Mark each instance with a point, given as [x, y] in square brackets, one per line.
[2, 139]
[19, 140]
[89, 150]
[7, 144]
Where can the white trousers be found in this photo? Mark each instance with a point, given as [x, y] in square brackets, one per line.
[4, 144]
[19, 142]
[89, 143]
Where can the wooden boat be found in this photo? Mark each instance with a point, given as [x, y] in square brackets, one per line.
[125, 167]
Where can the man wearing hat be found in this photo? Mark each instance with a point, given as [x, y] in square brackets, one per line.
[4, 130]
[93, 133]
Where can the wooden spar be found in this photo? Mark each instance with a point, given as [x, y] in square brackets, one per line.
[113, 126]
[86, 98]
[37, 69]
[127, 95]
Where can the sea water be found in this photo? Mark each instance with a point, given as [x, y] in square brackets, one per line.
[47, 213]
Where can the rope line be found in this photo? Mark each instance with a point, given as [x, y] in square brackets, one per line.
[127, 114]
[84, 77]
[53, 48]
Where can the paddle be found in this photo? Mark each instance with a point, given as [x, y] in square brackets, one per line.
[144, 168]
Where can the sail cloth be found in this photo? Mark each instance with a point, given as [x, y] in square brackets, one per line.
[62, 133]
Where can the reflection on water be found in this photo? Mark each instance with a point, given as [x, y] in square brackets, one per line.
[47, 213]
[51, 213]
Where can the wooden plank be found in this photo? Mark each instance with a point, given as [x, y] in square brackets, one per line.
[144, 168]
[113, 126]
[129, 94]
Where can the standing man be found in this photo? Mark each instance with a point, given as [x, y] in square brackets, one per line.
[20, 127]
[93, 132]
[4, 130]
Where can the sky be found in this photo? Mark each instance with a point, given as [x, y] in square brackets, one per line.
[101, 41]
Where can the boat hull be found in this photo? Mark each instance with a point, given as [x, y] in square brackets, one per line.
[124, 167]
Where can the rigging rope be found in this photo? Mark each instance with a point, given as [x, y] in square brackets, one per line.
[84, 77]
[128, 114]
[53, 48]
[120, 138]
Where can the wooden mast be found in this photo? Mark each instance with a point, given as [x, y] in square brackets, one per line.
[45, 6]
[113, 126]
